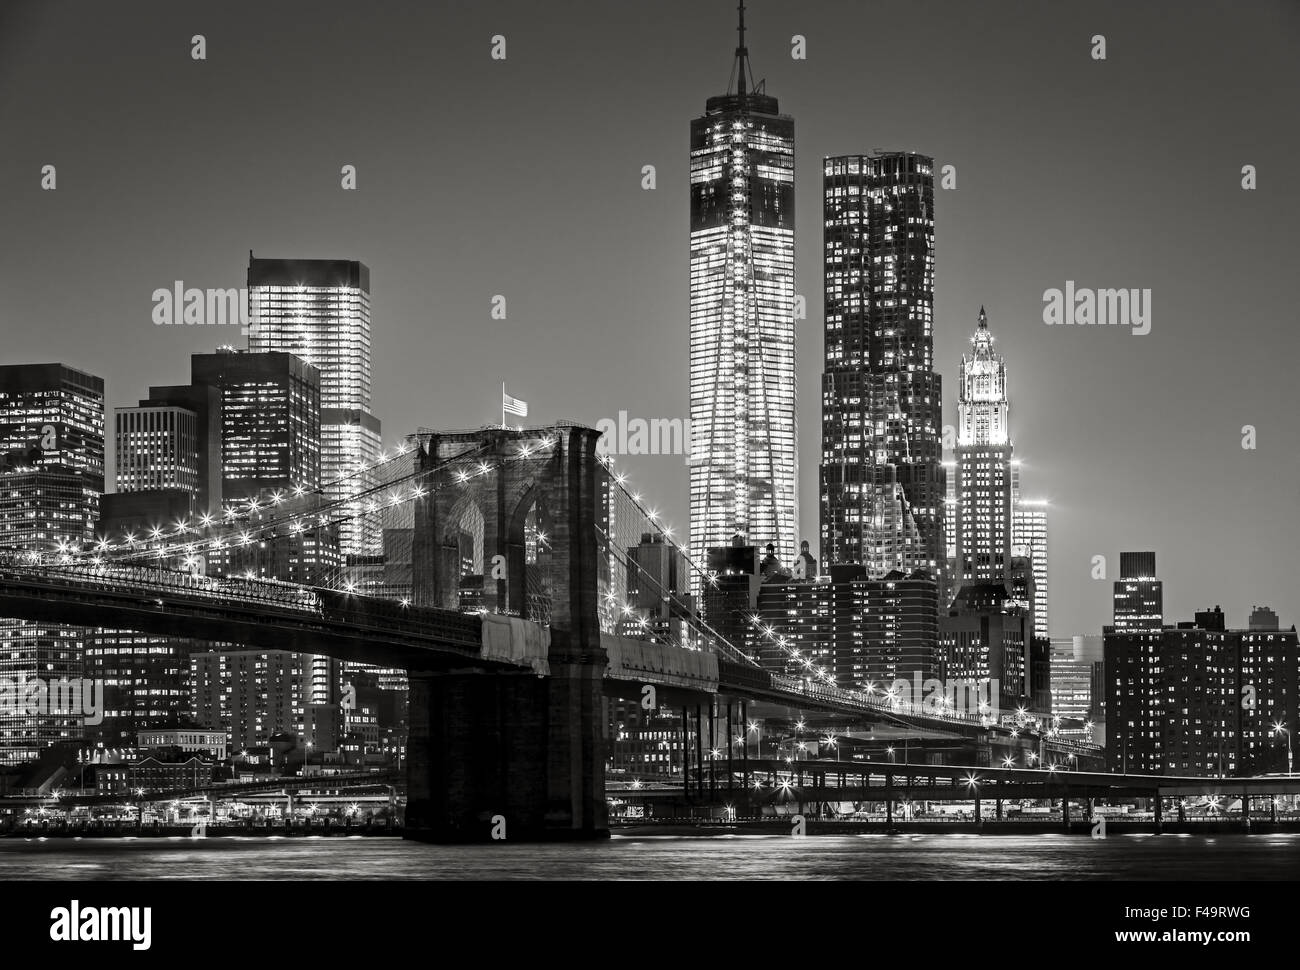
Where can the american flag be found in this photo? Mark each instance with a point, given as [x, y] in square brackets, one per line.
[512, 405]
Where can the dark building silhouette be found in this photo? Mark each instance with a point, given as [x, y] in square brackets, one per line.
[987, 635]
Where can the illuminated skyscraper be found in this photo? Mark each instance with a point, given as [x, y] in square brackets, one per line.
[172, 442]
[270, 421]
[743, 475]
[882, 481]
[983, 463]
[319, 309]
[1139, 596]
[51, 481]
[1029, 539]
[52, 415]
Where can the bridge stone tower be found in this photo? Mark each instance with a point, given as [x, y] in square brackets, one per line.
[495, 751]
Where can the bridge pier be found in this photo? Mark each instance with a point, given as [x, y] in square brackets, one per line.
[744, 751]
[506, 753]
[506, 757]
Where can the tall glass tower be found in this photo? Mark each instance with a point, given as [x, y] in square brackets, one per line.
[51, 481]
[882, 480]
[319, 309]
[743, 474]
[984, 471]
[1029, 539]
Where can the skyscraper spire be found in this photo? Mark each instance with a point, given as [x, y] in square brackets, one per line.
[742, 53]
[742, 376]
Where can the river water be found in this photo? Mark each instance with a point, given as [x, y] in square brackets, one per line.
[883, 857]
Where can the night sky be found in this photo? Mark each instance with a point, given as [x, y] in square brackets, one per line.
[523, 178]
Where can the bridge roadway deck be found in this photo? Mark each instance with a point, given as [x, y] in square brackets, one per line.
[249, 613]
[365, 629]
[878, 780]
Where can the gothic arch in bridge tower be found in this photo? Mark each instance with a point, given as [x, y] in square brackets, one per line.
[463, 532]
[528, 538]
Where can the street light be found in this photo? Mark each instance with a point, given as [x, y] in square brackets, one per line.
[829, 741]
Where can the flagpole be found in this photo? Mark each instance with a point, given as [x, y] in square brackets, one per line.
[503, 404]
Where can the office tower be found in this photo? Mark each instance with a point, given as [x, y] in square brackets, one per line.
[52, 444]
[252, 695]
[1029, 539]
[51, 480]
[145, 679]
[319, 310]
[658, 595]
[1139, 596]
[53, 415]
[866, 632]
[950, 513]
[172, 441]
[987, 636]
[168, 472]
[1175, 697]
[881, 476]
[645, 745]
[274, 437]
[270, 421]
[983, 462]
[742, 377]
[270, 454]
[1073, 662]
[728, 600]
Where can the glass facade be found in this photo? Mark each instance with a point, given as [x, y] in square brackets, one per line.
[51, 481]
[319, 310]
[742, 361]
[1029, 539]
[882, 481]
[270, 421]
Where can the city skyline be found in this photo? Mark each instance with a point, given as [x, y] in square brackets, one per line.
[1108, 409]
[811, 373]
